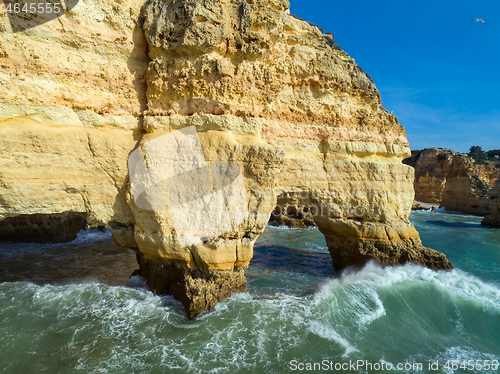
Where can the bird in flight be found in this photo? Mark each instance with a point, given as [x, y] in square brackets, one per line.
[478, 20]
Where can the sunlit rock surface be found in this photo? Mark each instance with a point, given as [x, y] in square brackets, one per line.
[264, 91]
[456, 182]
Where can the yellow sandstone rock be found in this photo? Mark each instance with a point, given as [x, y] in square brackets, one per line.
[457, 183]
[73, 90]
[265, 91]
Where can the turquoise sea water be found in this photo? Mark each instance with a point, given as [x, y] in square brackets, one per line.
[70, 309]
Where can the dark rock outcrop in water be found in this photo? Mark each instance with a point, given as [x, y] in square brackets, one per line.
[386, 246]
[418, 206]
[42, 228]
[265, 92]
[197, 290]
[456, 182]
[292, 216]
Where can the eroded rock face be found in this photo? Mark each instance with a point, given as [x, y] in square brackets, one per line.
[254, 80]
[354, 242]
[431, 170]
[469, 187]
[456, 182]
[72, 94]
[196, 289]
[493, 219]
[265, 91]
[42, 228]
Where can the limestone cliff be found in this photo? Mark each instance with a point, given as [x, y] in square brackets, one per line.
[264, 90]
[456, 182]
[493, 218]
[431, 169]
[469, 187]
[72, 94]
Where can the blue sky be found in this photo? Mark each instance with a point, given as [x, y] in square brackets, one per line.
[438, 71]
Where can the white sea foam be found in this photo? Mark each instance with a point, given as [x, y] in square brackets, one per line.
[440, 210]
[370, 315]
[461, 355]
[135, 282]
[142, 331]
[316, 247]
[332, 335]
[129, 329]
[272, 227]
[456, 282]
[92, 236]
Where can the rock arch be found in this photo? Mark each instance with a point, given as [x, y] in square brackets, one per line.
[296, 116]
[265, 91]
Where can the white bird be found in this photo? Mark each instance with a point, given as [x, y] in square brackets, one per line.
[478, 20]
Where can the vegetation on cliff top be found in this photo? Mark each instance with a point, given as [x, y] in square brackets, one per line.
[485, 157]
[491, 157]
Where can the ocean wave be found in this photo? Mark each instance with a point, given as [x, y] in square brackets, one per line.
[316, 247]
[451, 212]
[456, 282]
[92, 236]
[93, 327]
[271, 227]
[329, 333]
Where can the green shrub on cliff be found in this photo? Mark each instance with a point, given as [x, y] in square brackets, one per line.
[494, 154]
[477, 153]
[442, 156]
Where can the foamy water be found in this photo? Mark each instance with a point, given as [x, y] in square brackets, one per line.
[297, 308]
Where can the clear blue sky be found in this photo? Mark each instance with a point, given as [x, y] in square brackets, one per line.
[438, 71]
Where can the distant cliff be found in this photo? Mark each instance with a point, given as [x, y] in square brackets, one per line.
[456, 182]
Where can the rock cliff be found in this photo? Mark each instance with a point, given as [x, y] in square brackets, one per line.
[73, 91]
[457, 183]
[493, 219]
[431, 170]
[264, 91]
[469, 187]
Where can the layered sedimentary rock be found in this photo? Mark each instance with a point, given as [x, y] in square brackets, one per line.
[73, 91]
[431, 169]
[265, 92]
[216, 64]
[456, 182]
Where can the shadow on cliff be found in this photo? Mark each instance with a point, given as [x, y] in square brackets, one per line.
[138, 63]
